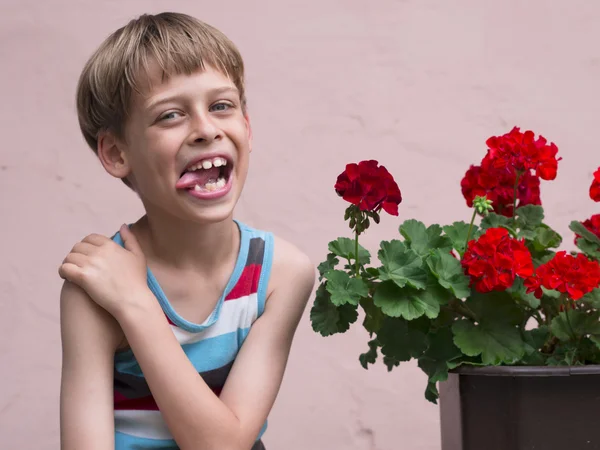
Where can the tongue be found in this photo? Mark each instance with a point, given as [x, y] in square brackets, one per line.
[201, 177]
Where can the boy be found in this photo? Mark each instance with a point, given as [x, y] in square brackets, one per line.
[153, 320]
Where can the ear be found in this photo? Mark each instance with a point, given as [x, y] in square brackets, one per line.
[111, 154]
[249, 131]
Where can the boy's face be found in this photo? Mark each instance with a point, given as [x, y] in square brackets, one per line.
[187, 145]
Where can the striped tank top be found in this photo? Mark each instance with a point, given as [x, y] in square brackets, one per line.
[211, 346]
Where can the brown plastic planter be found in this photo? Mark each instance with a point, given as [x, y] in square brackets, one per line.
[521, 408]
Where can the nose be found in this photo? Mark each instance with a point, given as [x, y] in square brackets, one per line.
[204, 129]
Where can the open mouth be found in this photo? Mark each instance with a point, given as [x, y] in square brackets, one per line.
[207, 176]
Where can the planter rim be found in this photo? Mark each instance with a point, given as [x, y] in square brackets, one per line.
[528, 371]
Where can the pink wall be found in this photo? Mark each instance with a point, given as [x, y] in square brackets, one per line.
[418, 85]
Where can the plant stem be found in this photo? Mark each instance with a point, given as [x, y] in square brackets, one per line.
[356, 254]
[470, 228]
[458, 307]
[514, 217]
[567, 307]
[573, 336]
[533, 312]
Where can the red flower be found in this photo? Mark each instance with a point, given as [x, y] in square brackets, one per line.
[522, 152]
[495, 259]
[595, 187]
[498, 184]
[571, 275]
[592, 224]
[369, 186]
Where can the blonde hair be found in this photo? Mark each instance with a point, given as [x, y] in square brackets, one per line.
[178, 43]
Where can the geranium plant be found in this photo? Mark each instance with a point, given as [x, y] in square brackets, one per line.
[496, 292]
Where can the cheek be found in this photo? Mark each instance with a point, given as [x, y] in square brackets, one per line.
[160, 151]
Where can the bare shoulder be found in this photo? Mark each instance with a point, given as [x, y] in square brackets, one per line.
[291, 268]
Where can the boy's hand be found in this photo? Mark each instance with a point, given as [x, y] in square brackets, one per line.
[113, 276]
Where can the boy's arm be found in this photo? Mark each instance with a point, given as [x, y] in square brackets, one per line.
[196, 417]
[90, 337]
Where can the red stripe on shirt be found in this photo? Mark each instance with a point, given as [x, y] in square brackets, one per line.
[247, 284]
[144, 403]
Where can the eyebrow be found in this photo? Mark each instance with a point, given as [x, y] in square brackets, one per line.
[216, 91]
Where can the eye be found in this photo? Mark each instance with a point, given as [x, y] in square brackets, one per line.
[170, 115]
[221, 106]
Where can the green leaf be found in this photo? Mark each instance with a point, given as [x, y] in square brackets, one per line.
[344, 289]
[590, 249]
[400, 342]
[422, 239]
[440, 346]
[528, 235]
[497, 343]
[435, 370]
[327, 265]
[596, 340]
[494, 220]
[592, 298]
[519, 291]
[370, 357]
[541, 257]
[572, 324]
[374, 317]
[457, 232]
[545, 238]
[582, 231]
[407, 302]
[449, 273]
[372, 271]
[344, 248]
[390, 362]
[534, 340]
[551, 293]
[537, 337]
[530, 216]
[431, 393]
[401, 266]
[326, 318]
[495, 307]
[440, 351]
[464, 360]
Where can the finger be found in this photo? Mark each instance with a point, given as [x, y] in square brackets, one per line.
[84, 248]
[130, 241]
[96, 239]
[76, 259]
[70, 272]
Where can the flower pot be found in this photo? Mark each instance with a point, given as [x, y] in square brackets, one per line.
[521, 408]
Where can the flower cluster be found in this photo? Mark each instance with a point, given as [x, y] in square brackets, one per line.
[498, 186]
[522, 153]
[595, 187]
[495, 259]
[593, 225]
[510, 172]
[370, 187]
[574, 276]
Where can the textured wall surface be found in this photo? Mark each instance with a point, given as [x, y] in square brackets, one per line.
[418, 85]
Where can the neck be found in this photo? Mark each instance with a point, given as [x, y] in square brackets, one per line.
[188, 245]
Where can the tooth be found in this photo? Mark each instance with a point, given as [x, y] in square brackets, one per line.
[197, 188]
[218, 162]
[223, 162]
[210, 186]
[221, 183]
[206, 164]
